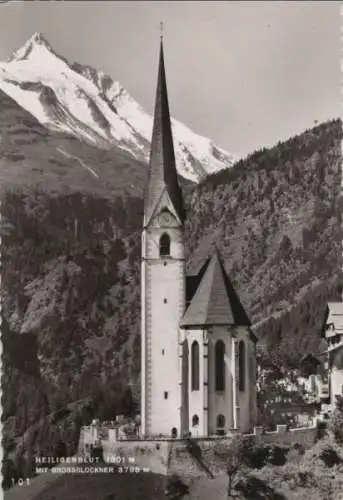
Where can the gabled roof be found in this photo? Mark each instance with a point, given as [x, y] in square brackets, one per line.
[322, 348]
[215, 301]
[311, 357]
[162, 174]
[335, 347]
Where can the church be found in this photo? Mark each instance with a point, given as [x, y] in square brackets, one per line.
[198, 363]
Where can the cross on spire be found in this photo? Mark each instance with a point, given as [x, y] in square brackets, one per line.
[161, 30]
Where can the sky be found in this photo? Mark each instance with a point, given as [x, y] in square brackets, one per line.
[245, 74]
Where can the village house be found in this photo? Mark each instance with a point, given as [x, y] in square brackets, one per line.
[334, 337]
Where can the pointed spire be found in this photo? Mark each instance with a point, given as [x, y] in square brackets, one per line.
[162, 168]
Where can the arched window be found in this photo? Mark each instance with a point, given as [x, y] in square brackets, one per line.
[195, 365]
[220, 421]
[164, 244]
[220, 365]
[241, 363]
[195, 420]
[220, 430]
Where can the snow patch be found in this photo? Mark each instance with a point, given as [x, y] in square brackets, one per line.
[81, 162]
[92, 106]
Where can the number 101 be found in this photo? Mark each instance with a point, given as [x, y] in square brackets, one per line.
[20, 481]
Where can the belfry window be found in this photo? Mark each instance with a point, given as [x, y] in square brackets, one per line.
[164, 245]
[195, 366]
[220, 365]
[241, 365]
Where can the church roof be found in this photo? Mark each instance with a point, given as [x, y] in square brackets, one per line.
[215, 301]
[193, 281]
[162, 170]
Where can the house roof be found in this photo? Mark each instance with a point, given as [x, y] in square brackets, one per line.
[193, 281]
[322, 349]
[311, 357]
[162, 174]
[215, 301]
[335, 347]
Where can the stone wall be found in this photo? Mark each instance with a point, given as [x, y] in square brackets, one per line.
[166, 456]
[304, 436]
[152, 455]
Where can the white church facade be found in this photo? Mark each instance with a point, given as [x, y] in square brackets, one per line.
[198, 365]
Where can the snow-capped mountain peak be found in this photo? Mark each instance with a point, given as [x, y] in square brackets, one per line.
[87, 103]
[36, 40]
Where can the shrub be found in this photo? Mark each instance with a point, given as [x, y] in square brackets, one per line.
[305, 478]
[299, 448]
[336, 424]
[194, 449]
[277, 455]
[320, 431]
[254, 488]
[256, 456]
[176, 488]
[330, 457]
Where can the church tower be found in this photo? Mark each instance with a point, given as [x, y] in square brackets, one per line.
[162, 278]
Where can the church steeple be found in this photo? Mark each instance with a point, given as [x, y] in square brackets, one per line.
[162, 170]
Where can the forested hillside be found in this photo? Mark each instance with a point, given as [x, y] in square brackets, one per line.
[71, 282]
[276, 217]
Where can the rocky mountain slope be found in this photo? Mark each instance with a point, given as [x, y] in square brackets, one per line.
[71, 255]
[30, 155]
[92, 107]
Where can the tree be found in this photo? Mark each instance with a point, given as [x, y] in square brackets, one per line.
[128, 404]
[61, 449]
[176, 488]
[234, 459]
[29, 462]
[336, 424]
[286, 245]
[232, 468]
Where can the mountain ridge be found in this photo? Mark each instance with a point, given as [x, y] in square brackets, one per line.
[90, 105]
